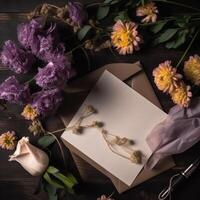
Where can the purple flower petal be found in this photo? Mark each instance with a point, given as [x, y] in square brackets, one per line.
[53, 76]
[46, 102]
[76, 13]
[13, 92]
[16, 59]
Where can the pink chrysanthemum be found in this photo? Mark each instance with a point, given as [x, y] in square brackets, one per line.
[192, 69]
[125, 37]
[149, 11]
[8, 140]
[182, 95]
[165, 77]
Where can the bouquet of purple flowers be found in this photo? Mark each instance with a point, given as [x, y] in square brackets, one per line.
[36, 42]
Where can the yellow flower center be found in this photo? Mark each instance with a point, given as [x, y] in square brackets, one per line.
[181, 96]
[149, 10]
[7, 140]
[166, 77]
[123, 38]
[192, 70]
[29, 112]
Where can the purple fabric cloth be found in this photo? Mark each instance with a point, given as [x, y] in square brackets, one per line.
[13, 92]
[177, 133]
[16, 59]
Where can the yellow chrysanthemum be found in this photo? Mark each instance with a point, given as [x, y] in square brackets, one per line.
[165, 77]
[29, 112]
[182, 95]
[192, 69]
[8, 140]
[149, 11]
[125, 37]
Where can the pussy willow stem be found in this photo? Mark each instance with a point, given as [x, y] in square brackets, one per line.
[178, 4]
[186, 51]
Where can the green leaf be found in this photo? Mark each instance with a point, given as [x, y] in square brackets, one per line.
[114, 2]
[166, 35]
[102, 12]
[69, 181]
[45, 141]
[107, 1]
[52, 170]
[158, 26]
[51, 181]
[51, 191]
[83, 32]
[179, 40]
[123, 16]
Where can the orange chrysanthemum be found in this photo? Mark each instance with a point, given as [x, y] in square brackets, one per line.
[29, 112]
[125, 37]
[149, 11]
[182, 95]
[8, 140]
[165, 77]
[192, 69]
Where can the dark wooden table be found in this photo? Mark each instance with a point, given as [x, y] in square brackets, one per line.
[17, 184]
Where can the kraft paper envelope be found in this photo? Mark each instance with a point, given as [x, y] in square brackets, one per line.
[141, 84]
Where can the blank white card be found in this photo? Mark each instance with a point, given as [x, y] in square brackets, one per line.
[125, 113]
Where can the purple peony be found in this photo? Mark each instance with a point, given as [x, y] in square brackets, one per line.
[52, 76]
[16, 59]
[46, 102]
[13, 92]
[76, 13]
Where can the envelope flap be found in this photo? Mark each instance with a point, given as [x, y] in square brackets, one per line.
[79, 91]
[121, 70]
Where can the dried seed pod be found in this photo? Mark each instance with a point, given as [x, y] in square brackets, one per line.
[97, 124]
[136, 157]
[104, 45]
[45, 9]
[89, 45]
[36, 128]
[104, 132]
[89, 110]
[121, 141]
[77, 129]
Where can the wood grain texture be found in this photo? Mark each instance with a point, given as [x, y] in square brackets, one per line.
[16, 183]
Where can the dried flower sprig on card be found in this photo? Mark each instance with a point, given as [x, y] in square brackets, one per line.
[112, 140]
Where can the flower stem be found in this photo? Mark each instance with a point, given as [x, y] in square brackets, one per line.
[178, 4]
[77, 47]
[30, 80]
[59, 130]
[93, 4]
[186, 51]
[60, 146]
